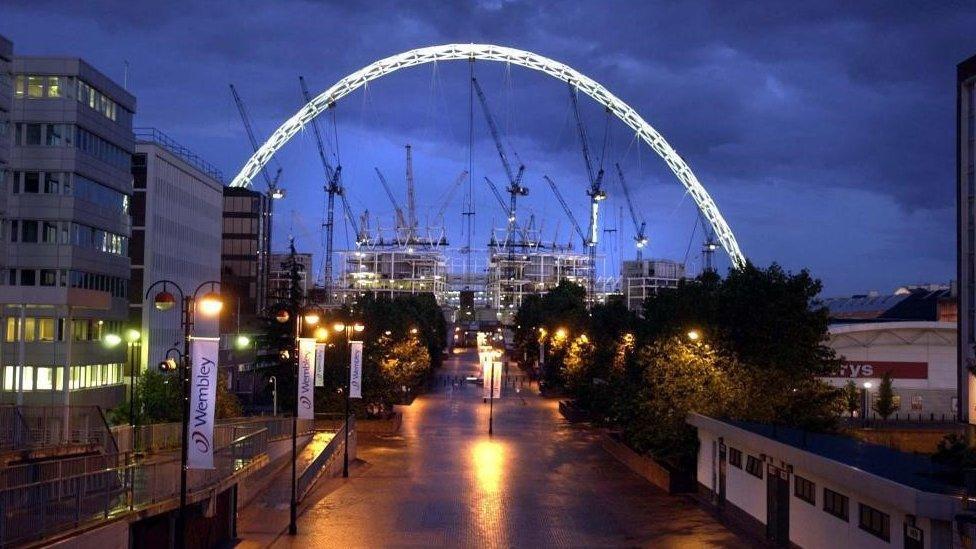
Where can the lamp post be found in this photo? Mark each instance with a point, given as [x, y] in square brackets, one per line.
[132, 338]
[209, 305]
[348, 330]
[864, 402]
[274, 395]
[309, 317]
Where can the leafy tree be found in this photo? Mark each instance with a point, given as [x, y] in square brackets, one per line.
[158, 400]
[852, 398]
[884, 406]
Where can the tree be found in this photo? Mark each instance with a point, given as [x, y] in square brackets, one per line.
[852, 398]
[884, 406]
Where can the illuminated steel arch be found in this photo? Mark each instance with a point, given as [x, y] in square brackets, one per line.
[488, 52]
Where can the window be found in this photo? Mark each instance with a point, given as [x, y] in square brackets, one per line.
[804, 489]
[875, 522]
[28, 277]
[49, 277]
[735, 457]
[45, 329]
[32, 134]
[35, 87]
[835, 504]
[54, 86]
[49, 232]
[28, 231]
[19, 86]
[32, 182]
[754, 466]
[917, 403]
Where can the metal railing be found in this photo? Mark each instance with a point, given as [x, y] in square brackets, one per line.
[40, 509]
[56, 468]
[332, 451]
[166, 436]
[23, 427]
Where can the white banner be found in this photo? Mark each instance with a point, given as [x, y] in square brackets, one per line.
[306, 375]
[492, 373]
[355, 369]
[320, 364]
[203, 402]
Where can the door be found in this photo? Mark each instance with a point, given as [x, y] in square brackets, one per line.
[778, 506]
[914, 536]
[722, 468]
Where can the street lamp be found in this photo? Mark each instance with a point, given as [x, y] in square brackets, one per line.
[311, 317]
[209, 305]
[694, 335]
[864, 401]
[132, 337]
[348, 330]
[274, 395]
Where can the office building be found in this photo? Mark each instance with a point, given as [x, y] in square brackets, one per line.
[966, 233]
[177, 204]
[245, 254]
[642, 278]
[65, 266]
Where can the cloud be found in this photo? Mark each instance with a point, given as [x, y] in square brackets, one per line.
[836, 102]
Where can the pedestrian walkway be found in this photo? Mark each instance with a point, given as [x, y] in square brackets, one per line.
[538, 482]
[266, 518]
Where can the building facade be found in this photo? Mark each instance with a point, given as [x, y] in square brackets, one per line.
[640, 279]
[812, 490]
[177, 206]
[919, 356]
[966, 233]
[245, 253]
[66, 227]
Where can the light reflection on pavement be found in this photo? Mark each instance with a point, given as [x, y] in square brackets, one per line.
[538, 482]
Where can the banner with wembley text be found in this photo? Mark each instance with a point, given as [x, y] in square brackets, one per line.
[203, 402]
[306, 378]
[320, 364]
[355, 369]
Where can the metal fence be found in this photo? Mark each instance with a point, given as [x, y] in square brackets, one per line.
[166, 436]
[37, 510]
[23, 427]
[331, 452]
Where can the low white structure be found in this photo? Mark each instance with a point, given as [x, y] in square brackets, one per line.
[811, 490]
[920, 357]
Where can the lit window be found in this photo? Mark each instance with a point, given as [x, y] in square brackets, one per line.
[45, 326]
[28, 378]
[35, 86]
[19, 86]
[53, 86]
[45, 382]
[8, 378]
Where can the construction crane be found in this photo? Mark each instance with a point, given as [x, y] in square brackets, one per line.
[595, 191]
[569, 212]
[333, 187]
[515, 187]
[513, 224]
[411, 201]
[450, 195]
[708, 246]
[401, 220]
[640, 239]
[273, 193]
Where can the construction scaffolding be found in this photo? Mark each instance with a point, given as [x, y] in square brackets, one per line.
[393, 271]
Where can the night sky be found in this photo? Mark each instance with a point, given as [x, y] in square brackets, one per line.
[824, 133]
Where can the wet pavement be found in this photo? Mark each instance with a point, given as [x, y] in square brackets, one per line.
[537, 482]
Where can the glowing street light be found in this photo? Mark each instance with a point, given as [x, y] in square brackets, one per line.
[112, 340]
[694, 335]
[321, 333]
[242, 341]
[211, 304]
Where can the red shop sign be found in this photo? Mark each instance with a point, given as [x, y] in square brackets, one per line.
[877, 368]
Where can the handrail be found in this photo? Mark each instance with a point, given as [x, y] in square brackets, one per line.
[33, 511]
[331, 451]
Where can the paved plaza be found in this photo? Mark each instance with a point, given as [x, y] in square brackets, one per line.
[538, 482]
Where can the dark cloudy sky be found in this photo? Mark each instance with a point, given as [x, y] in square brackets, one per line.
[824, 131]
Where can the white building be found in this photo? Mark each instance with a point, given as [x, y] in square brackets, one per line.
[640, 279]
[823, 491]
[176, 226]
[920, 357]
